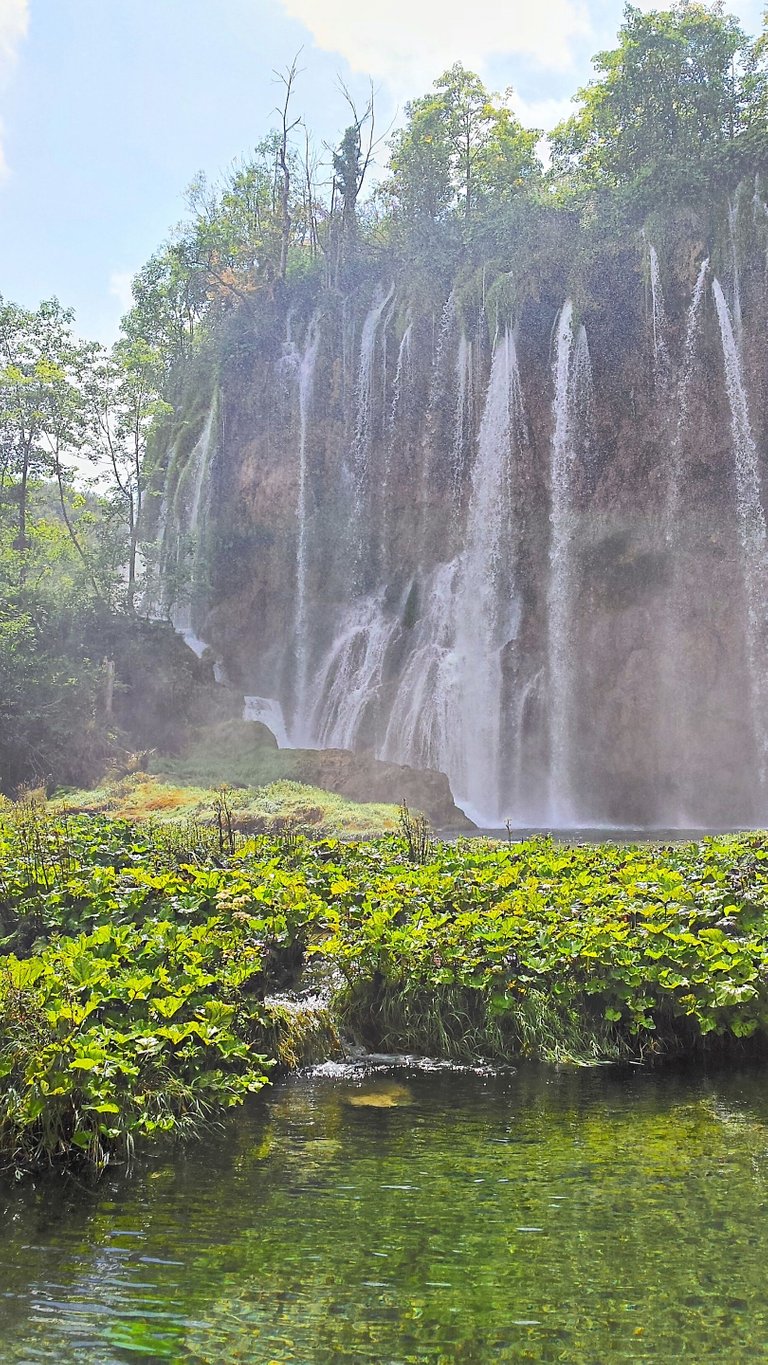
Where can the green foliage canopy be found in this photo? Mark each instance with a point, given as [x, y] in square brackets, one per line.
[670, 109]
[461, 146]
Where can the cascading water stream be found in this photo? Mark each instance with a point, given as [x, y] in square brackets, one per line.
[181, 560]
[689, 356]
[398, 425]
[676, 469]
[582, 394]
[366, 405]
[301, 627]
[733, 222]
[267, 712]
[448, 324]
[402, 381]
[752, 525]
[425, 726]
[447, 711]
[673, 664]
[487, 609]
[661, 363]
[349, 678]
[464, 417]
[520, 809]
[560, 587]
[437, 442]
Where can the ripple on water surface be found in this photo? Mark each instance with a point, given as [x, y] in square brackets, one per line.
[401, 1214]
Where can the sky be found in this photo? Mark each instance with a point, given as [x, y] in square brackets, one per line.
[109, 108]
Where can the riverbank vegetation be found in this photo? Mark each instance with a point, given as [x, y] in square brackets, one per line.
[269, 809]
[138, 962]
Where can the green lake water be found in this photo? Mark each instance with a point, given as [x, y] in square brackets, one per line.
[416, 1216]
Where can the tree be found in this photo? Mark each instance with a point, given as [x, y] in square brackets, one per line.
[461, 145]
[41, 404]
[351, 159]
[421, 183]
[27, 343]
[288, 80]
[122, 406]
[667, 108]
[311, 207]
[170, 295]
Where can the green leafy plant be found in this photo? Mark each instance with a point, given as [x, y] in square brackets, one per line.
[137, 983]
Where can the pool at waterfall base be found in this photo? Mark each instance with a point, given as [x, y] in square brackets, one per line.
[398, 1211]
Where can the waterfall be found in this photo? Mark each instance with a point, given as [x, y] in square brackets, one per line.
[691, 327]
[425, 724]
[486, 604]
[301, 627]
[672, 663]
[752, 525]
[559, 597]
[683, 405]
[692, 323]
[347, 349]
[402, 376]
[399, 413]
[448, 709]
[349, 679]
[181, 557]
[733, 219]
[270, 713]
[661, 365]
[582, 395]
[463, 416]
[447, 326]
[365, 427]
[365, 419]
[438, 440]
[425, 554]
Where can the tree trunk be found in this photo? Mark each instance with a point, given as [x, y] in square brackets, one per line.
[285, 211]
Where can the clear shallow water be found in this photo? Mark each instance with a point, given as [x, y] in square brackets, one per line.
[412, 1216]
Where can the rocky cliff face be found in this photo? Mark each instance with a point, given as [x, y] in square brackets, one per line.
[522, 543]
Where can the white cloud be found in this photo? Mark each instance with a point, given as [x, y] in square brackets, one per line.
[120, 288]
[544, 114]
[14, 20]
[408, 43]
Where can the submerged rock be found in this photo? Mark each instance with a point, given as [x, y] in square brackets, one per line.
[384, 1095]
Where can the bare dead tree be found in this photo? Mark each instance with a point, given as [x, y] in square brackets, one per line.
[310, 165]
[287, 79]
[352, 161]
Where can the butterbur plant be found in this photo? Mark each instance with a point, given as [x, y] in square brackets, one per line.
[121, 1034]
[135, 968]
